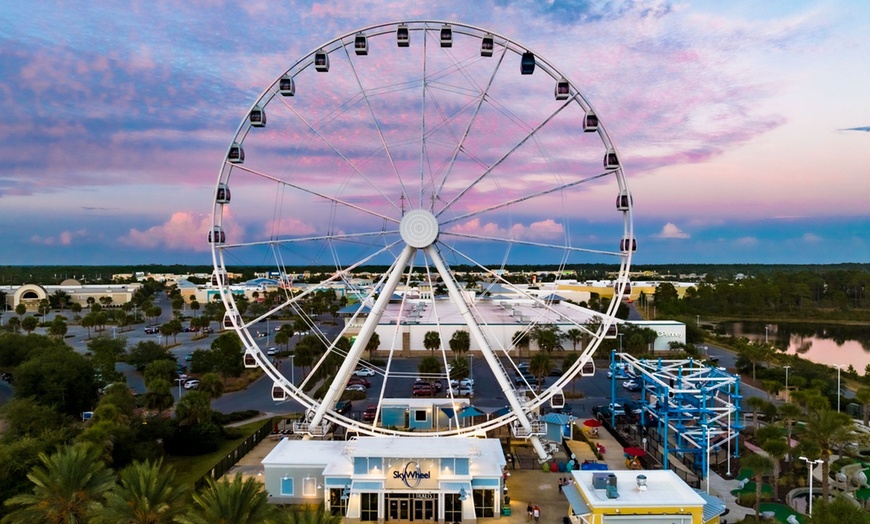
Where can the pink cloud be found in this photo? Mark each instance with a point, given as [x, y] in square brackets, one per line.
[670, 230]
[184, 231]
[543, 230]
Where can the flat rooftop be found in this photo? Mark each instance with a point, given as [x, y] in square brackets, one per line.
[664, 489]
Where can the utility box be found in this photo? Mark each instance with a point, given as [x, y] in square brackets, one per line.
[599, 480]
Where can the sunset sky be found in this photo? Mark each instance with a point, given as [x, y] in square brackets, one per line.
[743, 127]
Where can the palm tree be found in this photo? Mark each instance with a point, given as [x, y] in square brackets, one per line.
[429, 366]
[789, 412]
[211, 385]
[776, 449]
[66, 487]
[159, 395]
[863, 398]
[373, 344]
[521, 340]
[760, 466]
[460, 341]
[824, 429]
[756, 404]
[310, 515]
[575, 336]
[146, 494]
[540, 366]
[233, 501]
[432, 340]
[193, 408]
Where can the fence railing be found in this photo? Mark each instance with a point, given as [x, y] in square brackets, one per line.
[233, 457]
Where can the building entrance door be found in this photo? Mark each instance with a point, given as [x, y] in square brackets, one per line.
[424, 509]
[399, 509]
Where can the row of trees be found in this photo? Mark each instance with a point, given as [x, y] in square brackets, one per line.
[834, 294]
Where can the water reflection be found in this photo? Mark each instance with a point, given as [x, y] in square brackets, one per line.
[823, 344]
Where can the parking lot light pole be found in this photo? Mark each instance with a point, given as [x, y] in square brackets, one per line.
[811, 464]
[839, 393]
[787, 396]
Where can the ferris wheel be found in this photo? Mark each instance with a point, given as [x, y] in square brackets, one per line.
[404, 176]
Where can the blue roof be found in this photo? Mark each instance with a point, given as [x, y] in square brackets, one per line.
[557, 418]
[713, 506]
[262, 282]
[350, 309]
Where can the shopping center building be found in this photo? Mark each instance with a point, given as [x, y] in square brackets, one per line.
[376, 479]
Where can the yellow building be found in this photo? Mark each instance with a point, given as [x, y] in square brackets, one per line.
[653, 496]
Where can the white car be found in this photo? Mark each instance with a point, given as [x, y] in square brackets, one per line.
[272, 352]
[355, 387]
[364, 372]
[462, 391]
[191, 384]
[464, 383]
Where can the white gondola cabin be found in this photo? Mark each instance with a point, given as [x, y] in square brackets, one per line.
[278, 393]
[446, 36]
[223, 194]
[257, 117]
[618, 284]
[611, 332]
[250, 359]
[228, 320]
[321, 61]
[590, 122]
[588, 368]
[623, 201]
[628, 244]
[527, 63]
[220, 277]
[611, 161]
[361, 44]
[403, 36]
[217, 236]
[562, 89]
[557, 401]
[487, 45]
[287, 86]
[236, 154]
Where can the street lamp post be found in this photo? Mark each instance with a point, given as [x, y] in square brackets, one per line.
[811, 464]
[707, 449]
[765, 333]
[839, 367]
[292, 369]
[730, 407]
[620, 341]
[787, 395]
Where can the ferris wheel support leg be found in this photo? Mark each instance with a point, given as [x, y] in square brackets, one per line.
[478, 336]
[362, 340]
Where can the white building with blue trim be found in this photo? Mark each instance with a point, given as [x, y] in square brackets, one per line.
[376, 479]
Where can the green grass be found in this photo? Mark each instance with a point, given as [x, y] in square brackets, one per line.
[190, 469]
[782, 512]
[745, 474]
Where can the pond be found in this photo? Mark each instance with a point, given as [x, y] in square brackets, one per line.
[829, 344]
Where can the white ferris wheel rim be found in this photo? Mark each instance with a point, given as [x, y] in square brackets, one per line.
[418, 228]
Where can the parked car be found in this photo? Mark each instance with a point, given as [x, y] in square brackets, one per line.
[423, 391]
[631, 385]
[152, 330]
[355, 387]
[369, 414]
[364, 372]
[469, 382]
[361, 381]
[191, 384]
[272, 351]
[260, 334]
[343, 407]
[462, 391]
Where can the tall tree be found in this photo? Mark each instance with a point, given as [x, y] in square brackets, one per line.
[460, 342]
[432, 340]
[232, 501]
[521, 340]
[146, 494]
[761, 466]
[67, 487]
[540, 366]
[228, 354]
[863, 398]
[826, 428]
[373, 344]
[575, 336]
[211, 385]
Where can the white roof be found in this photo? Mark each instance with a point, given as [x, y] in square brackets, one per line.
[664, 488]
[304, 452]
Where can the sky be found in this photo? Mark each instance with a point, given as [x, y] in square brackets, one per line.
[743, 128]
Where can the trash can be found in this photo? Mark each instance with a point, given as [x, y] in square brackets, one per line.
[505, 510]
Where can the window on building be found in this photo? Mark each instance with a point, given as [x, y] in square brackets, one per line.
[368, 506]
[287, 486]
[484, 503]
[452, 507]
[420, 415]
[309, 487]
[336, 505]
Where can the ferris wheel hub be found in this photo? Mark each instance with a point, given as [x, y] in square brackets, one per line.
[419, 228]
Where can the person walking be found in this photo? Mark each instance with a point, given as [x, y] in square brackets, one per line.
[529, 511]
[536, 512]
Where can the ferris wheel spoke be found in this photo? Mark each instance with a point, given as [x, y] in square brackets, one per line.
[316, 194]
[502, 159]
[365, 334]
[529, 243]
